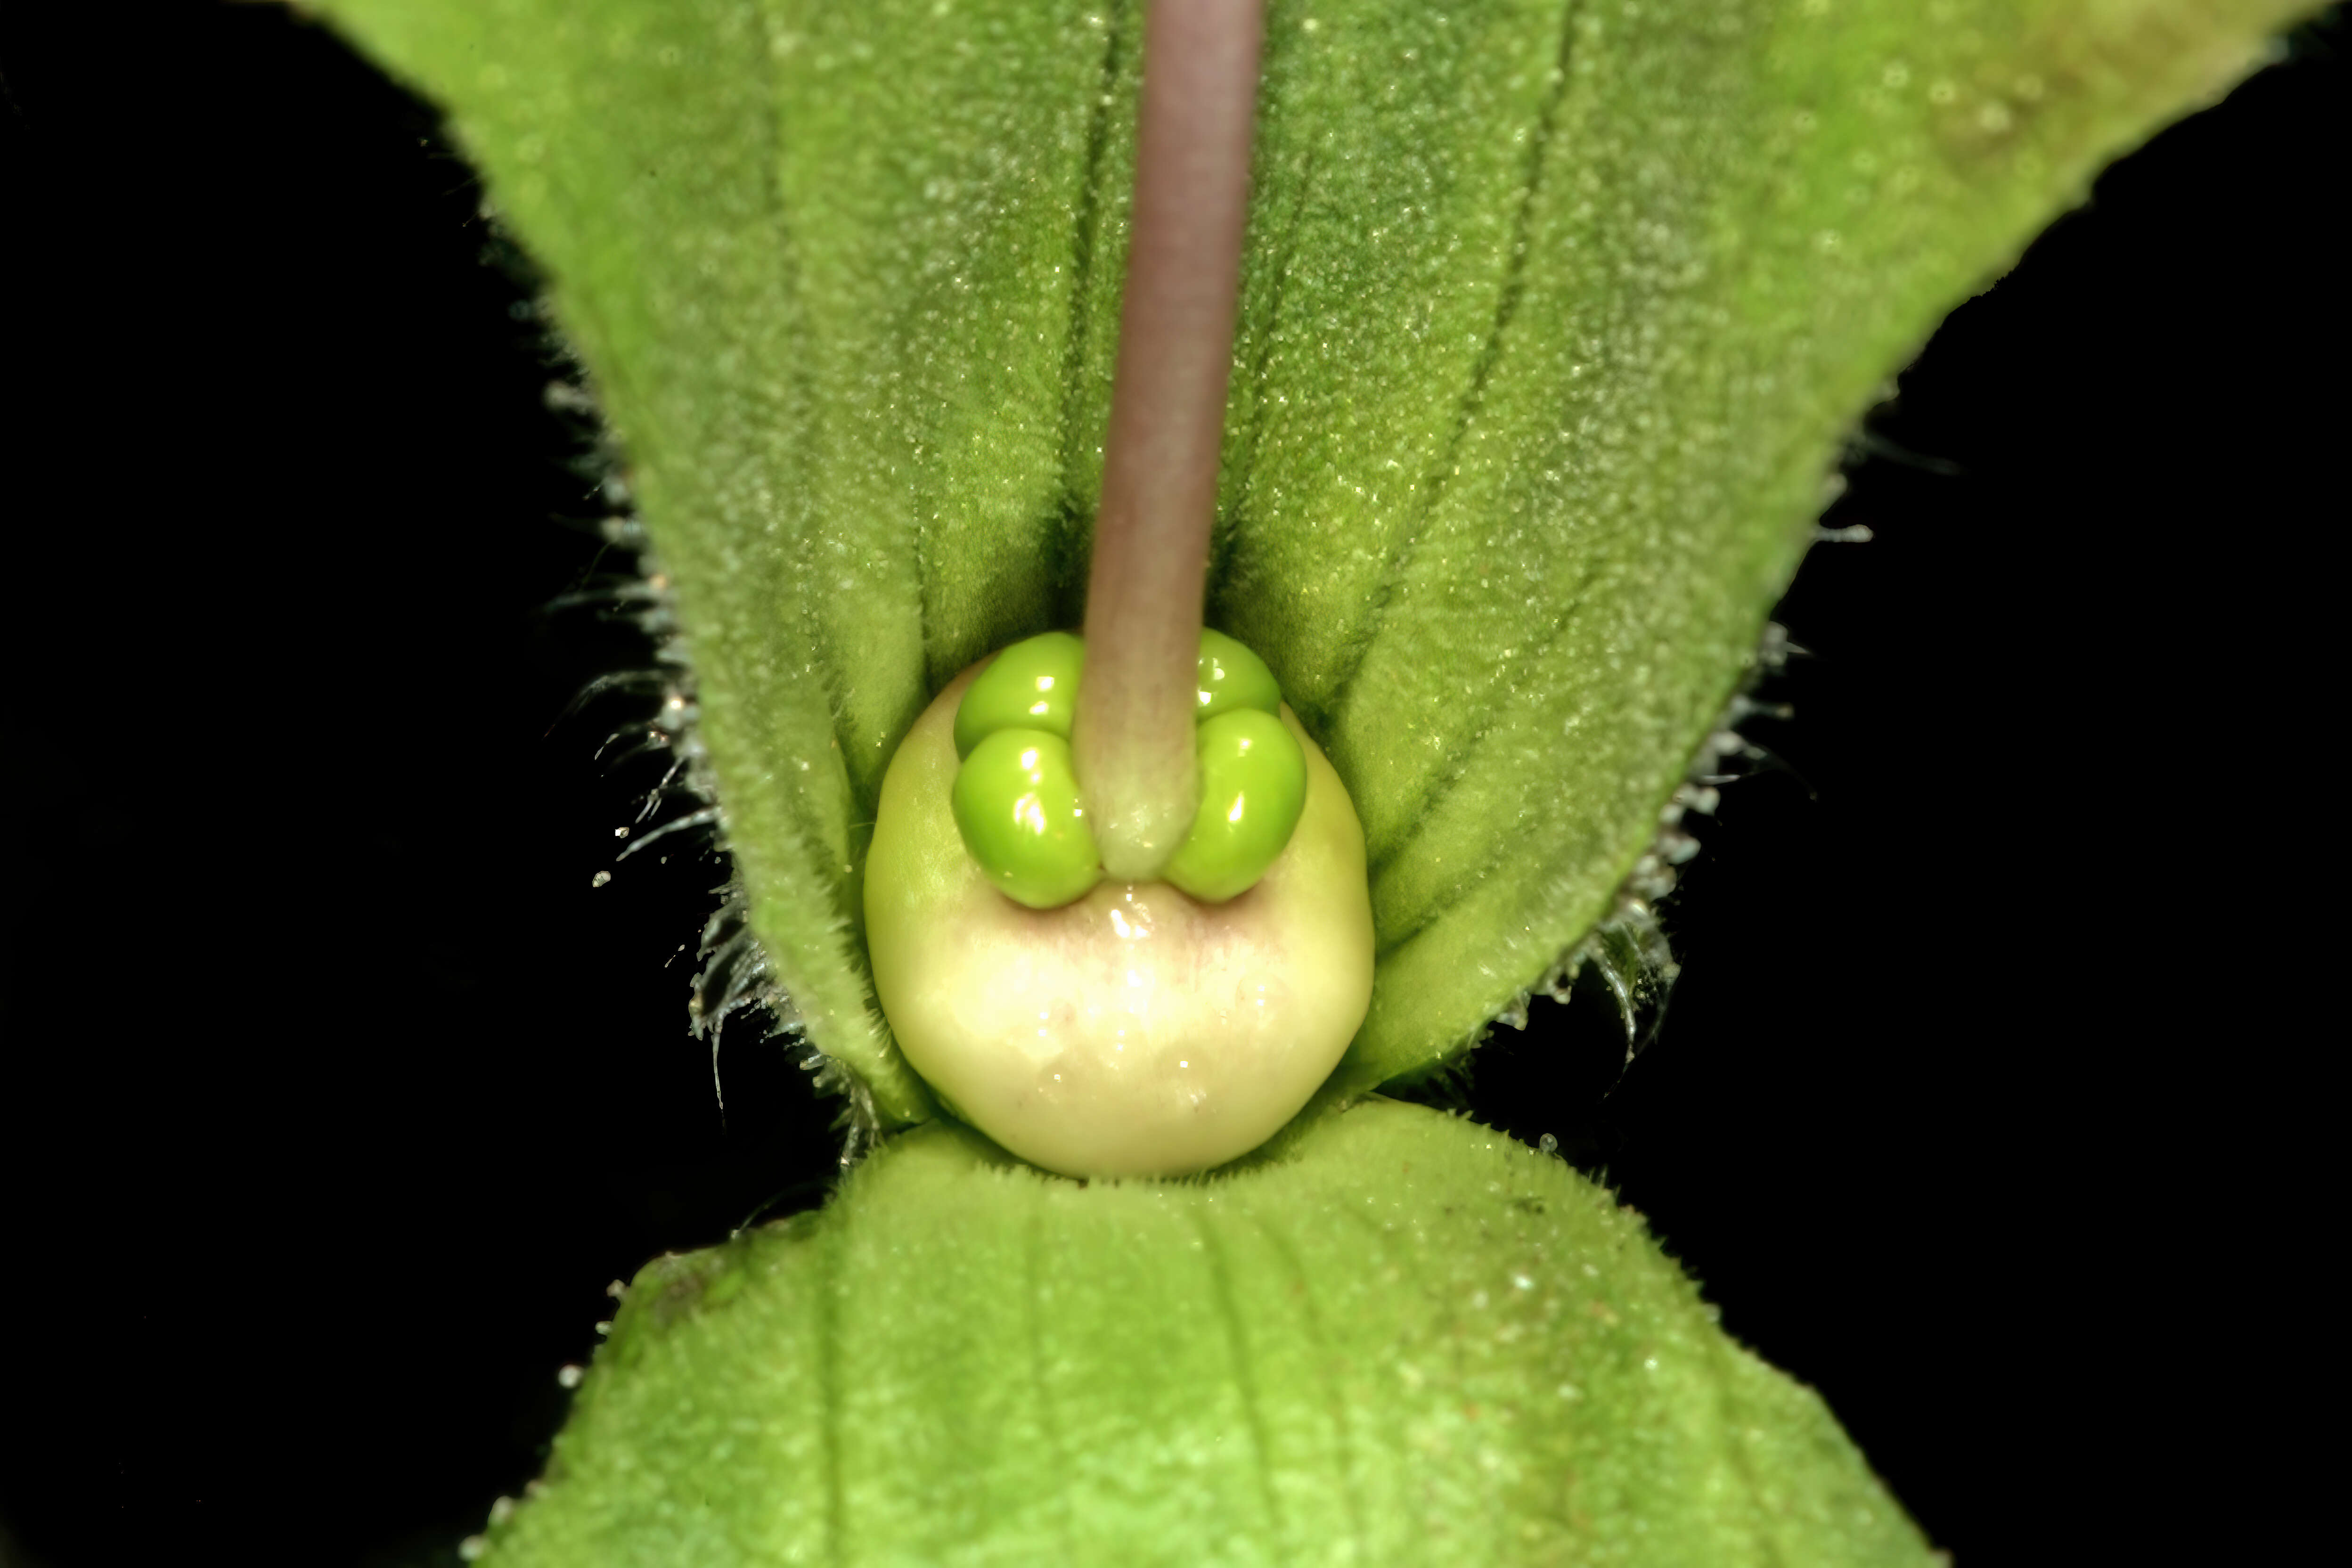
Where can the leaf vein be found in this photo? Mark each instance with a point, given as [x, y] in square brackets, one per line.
[1507, 307]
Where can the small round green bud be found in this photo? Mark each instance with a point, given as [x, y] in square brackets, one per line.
[1253, 787]
[1033, 685]
[1136, 1030]
[1233, 678]
[1016, 805]
[1019, 813]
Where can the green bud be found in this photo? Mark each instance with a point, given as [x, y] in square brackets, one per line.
[1134, 1030]
[1016, 805]
[1033, 685]
[1253, 787]
[1233, 677]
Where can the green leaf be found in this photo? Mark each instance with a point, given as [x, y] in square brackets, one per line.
[1418, 1342]
[1553, 316]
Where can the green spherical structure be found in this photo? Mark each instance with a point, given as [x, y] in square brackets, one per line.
[1022, 820]
[1233, 677]
[1016, 807]
[1253, 787]
[1135, 1029]
[1033, 685]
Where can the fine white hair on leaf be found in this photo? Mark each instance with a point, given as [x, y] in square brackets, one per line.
[1628, 950]
[734, 980]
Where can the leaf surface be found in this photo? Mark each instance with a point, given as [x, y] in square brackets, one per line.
[1417, 1343]
[1553, 316]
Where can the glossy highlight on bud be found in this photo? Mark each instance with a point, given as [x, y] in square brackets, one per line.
[1033, 685]
[1016, 805]
[1253, 787]
[1231, 676]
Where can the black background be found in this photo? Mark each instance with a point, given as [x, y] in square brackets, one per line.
[331, 1094]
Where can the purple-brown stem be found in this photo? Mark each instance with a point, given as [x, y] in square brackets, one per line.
[1133, 733]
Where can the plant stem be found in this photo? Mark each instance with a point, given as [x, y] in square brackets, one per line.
[1133, 732]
